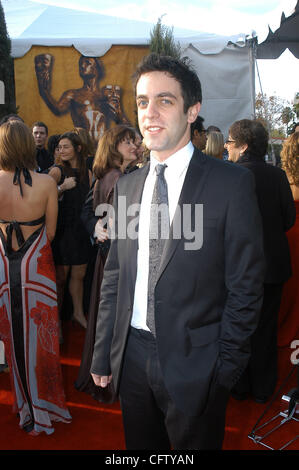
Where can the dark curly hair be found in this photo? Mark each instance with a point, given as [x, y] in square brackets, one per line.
[252, 133]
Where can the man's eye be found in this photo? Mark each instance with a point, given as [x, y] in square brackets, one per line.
[166, 101]
[141, 103]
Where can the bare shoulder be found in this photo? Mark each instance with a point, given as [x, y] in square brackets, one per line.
[5, 182]
[54, 170]
[45, 181]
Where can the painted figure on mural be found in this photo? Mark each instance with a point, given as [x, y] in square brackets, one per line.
[91, 106]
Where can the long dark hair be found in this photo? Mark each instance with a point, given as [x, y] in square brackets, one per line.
[79, 151]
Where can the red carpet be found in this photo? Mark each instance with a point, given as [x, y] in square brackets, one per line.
[97, 426]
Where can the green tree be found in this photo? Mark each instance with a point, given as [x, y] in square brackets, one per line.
[162, 41]
[296, 106]
[275, 112]
[287, 116]
[278, 133]
[6, 69]
[269, 110]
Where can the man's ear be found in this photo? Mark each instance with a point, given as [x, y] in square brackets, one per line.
[193, 112]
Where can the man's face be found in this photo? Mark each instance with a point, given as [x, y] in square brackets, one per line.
[199, 139]
[162, 121]
[40, 136]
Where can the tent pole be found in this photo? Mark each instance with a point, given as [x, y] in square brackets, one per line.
[266, 112]
[252, 59]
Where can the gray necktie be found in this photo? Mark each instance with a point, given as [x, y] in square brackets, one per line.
[158, 233]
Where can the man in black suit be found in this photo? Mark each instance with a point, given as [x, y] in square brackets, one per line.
[40, 135]
[173, 371]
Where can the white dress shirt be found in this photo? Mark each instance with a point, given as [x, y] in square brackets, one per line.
[177, 165]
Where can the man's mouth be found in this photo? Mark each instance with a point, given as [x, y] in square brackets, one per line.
[153, 129]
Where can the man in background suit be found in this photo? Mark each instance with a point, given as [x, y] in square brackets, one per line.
[40, 135]
[173, 371]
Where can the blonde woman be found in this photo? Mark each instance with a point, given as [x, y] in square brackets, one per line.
[28, 299]
[88, 143]
[215, 145]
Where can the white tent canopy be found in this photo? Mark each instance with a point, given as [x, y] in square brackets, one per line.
[224, 63]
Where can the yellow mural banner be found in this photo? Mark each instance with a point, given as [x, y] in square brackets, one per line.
[63, 89]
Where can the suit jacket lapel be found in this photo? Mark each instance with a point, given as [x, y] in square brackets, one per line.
[195, 179]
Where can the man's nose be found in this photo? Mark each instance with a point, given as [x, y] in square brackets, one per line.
[152, 109]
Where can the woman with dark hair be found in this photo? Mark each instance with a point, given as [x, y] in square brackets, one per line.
[247, 146]
[52, 146]
[10, 117]
[89, 144]
[116, 150]
[71, 244]
[28, 299]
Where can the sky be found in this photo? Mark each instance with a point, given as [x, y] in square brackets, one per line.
[227, 17]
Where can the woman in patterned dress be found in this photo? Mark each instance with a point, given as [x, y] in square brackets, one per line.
[28, 299]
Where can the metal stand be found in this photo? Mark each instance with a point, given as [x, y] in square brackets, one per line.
[290, 414]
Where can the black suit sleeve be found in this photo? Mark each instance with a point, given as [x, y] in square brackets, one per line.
[244, 276]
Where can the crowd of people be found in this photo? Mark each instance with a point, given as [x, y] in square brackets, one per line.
[215, 312]
[45, 192]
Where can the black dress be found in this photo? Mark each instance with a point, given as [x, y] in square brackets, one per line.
[71, 245]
